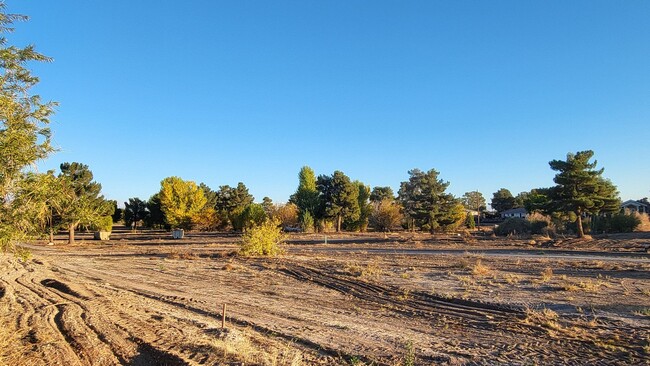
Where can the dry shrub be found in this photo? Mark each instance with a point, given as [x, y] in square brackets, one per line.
[236, 347]
[547, 274]
[644, 220]
[370, 270]
[480, 269]
[182, 254]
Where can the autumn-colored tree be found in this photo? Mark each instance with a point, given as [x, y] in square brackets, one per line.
[386, 214]
[180, 200]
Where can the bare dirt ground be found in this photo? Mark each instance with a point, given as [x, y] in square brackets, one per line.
[398, 299]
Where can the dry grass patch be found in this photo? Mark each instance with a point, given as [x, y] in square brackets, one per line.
[370, 270]
[481, 270]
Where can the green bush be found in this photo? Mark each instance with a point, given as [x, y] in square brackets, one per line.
[307, 222]
[514, 225]
[616, 223]
[263, 239]
[104, 223]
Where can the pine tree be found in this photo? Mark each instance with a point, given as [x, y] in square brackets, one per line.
[580, 188]
[339, 198]
[306, 198]
[425, 202]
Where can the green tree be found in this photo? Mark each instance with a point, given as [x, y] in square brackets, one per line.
[269, 207]
[24, 133]
[40, 198]
[156, 217]
[82, 202]
[425, 202]
[580, 188]
[180, 200]
[379, 194]
[365, 209]
[502, 200]
[475, 201]
[231, 202]
[252, 215]
[306, 198]
[339, 198]
[118, 213]
[210, 195]
[135, 211]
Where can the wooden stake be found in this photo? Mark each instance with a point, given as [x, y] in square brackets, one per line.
[223, 317]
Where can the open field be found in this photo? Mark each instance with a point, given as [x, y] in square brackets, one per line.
[399, 299]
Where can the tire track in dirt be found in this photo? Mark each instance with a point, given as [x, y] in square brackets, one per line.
[478, 318]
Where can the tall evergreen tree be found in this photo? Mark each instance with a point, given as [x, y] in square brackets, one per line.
[339, 198]
[82, 199]
[502, 200]
[581, 189]
[306, 198]
[231, 203]
[379, 194]
[135, 211]
[425, 202]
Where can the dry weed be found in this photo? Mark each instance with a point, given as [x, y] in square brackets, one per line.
[547, 274]
[480, 269]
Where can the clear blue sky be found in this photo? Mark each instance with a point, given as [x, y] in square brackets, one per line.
[485, 92]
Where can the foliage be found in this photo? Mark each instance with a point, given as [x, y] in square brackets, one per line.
[135, 211]
[469, 221]
[37, 203]
[580, 188]
[268, 206]
[252, 215]
[502, 200]
[210, 195]
[263, 240]
[105, 223]
[386, 214]
[24, 134]
[306, 197]
[339, 198]
[231, 202]
[156, 217]
[81, 202]
[620, 222]
[425, 202]
[287, 215]
[206, 220]
[180, 201]
[378, 194]
[513, 226]
[307, 222]
[118, 213]
[365, 209]
[473, 201]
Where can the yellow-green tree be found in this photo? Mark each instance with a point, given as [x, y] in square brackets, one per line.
[180, 200]
[24, 132]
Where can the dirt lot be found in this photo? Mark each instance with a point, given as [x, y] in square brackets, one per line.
[398, 299]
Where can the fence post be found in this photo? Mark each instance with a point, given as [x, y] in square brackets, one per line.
[223, 317]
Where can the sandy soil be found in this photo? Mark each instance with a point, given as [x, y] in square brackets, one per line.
[144, 299]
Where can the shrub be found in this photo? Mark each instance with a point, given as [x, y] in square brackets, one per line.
[263, 239]
[617, 223]
[104, 223]
[514, 225]
[307, 222]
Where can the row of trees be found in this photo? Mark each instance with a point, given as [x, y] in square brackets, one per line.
[336, 201]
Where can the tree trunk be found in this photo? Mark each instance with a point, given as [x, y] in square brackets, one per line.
[71, 234]
[49, 223]
[581, 233]
[338, 224]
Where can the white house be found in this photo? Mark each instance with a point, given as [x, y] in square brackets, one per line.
[515, 212]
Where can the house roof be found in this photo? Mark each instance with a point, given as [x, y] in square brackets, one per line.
[634, 203]
[519, 210]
